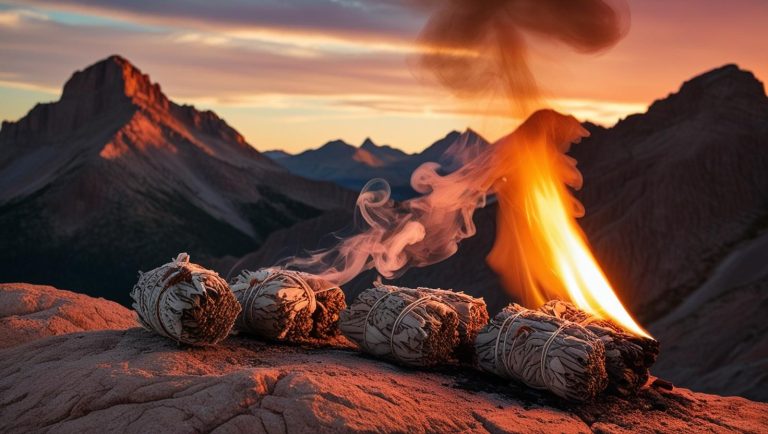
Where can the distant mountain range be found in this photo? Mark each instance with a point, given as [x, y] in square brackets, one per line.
[114, 177]
[352, 167]
[677, 214]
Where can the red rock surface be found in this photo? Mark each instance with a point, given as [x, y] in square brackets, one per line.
[133, 381]
[31, 312]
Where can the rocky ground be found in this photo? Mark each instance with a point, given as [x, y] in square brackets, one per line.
[30, 312]
[129, 380]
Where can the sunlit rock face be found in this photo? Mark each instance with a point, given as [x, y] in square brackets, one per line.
[31, 312]
[114, 177]
[134, 381]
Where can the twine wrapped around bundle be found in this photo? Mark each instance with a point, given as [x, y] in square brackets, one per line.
[543, 352]
[185, 302]
[410, 326]
[287, 305]
[627, 356]
[473, 316]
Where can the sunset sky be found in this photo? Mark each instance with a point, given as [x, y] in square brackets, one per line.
[292, 74]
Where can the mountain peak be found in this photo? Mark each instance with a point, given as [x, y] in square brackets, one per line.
[368, 144]
[470, 134]
[120, 112]
[727, 79]
[384, 153]
[718, 88]
[113, 80]
[338, 145]
[729, 71]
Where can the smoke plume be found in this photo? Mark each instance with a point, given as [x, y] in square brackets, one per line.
[392, 237]
[479, 46]
[476, 46]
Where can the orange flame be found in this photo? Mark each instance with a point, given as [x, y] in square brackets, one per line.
[540, 251]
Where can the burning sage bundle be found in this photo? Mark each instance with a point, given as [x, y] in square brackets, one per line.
[411, 326]
[185, 302]
[287, 305]
[627, 356]
[543, 352]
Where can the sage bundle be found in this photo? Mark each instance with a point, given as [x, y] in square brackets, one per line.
[185, 302]
[472, 313]
[543, 352]
[287, 305]
[410, 326]
[627, 356]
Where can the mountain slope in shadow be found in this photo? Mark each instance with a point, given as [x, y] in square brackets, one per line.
[114, 177]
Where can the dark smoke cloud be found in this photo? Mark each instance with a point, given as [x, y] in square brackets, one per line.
[480, 46]
[477, 45]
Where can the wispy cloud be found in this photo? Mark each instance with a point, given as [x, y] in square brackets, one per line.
[345, 65]
[18, 84]
[14, 17]
[346, 20]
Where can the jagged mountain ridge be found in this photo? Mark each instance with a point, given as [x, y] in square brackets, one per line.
[384, 153]
[352, 167]
[115, 177]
